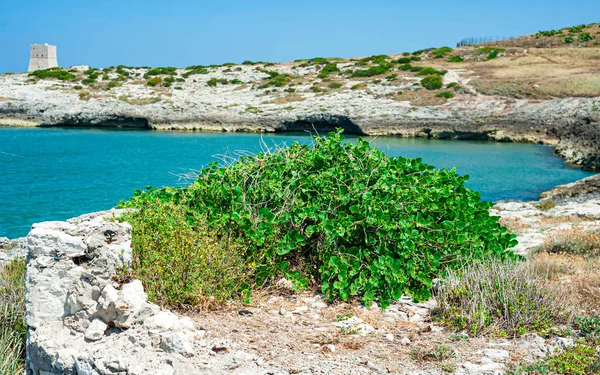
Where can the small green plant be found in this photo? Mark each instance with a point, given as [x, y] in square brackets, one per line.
[415, 58]
[316, 89]
[428, 71]
[445, 94]
[391, 77]
[568, 39]
[251, 109]
[357, 86]
[12, 317]
[437, 353]
[404, 60]
[372, 71]
[545, 205]
[456, 59]
[433, 82]
[580, 359]
[501, 299]
[585, 37]
[78, 87]
[154, 81]
[441, 52]
[448, 367]
[160, 71]
[334, 85]
[212, 82]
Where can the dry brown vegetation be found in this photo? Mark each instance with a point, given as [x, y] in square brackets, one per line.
[578, 276]
[574, 241]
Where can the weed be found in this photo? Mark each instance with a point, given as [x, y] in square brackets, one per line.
[437, 353]
[445, 94]
[12, 317]
[501, 299]
[433, 82]
[251, 109]
[154, 81]
[456, 59]
[546, 205]
[334, 85]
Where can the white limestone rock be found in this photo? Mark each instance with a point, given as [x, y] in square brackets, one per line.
[177, 342]
[96, 330]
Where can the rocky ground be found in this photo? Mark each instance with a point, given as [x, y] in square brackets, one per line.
[81, 320]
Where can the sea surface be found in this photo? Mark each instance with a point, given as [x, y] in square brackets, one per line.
[56, 174]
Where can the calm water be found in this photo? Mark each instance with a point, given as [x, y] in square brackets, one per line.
[55, 174]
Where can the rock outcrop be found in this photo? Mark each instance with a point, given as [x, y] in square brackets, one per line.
[81, 321]
[580, 142]
[582, 190]
[11, 249]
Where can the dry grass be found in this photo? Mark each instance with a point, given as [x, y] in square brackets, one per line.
[288, 99]
[514, 224]
[139, 101]
[420, 98]
[578, 276]
[541, 73]
[501, 299]
[4, 99]
[574, 241]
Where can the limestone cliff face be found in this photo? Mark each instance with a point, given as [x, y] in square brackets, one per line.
[198, 106]
[80, 321]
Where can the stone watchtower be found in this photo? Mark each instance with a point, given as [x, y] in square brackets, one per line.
[42, 56]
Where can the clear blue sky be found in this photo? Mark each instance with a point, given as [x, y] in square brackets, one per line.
[183, 33]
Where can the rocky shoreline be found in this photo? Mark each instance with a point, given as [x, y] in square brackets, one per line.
[571, 123]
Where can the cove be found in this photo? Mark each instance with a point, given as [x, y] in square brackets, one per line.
[55, 174]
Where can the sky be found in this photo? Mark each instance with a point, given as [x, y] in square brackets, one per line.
[183, 33]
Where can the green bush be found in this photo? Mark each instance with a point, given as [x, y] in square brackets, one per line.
[12, 317]
[404, 60]
[585, 37]
[580, 359]
[181, 261]
[328, 69]
[416, 58]
[455, 59]
[344, 216]
[372, 71]
[154, 81]
[501, 298]
[334, 85]
[405, 67]
[195, 70]
[212, 82]
[445, 94]
[441, 52]
[428, 71]
[161, 71]
[57, 73]
[432, 82]
[568, 39]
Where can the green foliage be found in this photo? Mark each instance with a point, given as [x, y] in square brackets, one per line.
[12, 317]
[569, 39]
[438, 353]
[212, 82]
[181, 261]
[455, 59]
[372, 71]
[316, 89]
[357, 86]
[58, 73]
[78, 87]
[445, 94]
[195, 70]
[334, 85]
[391, 77]
[576, 29]
[415, 58]
[545, 205]
[585, 37]
[404, 60]
[345, 216]
[328, 69]
[160, 71]
[88, 81]
[501, 299]
[441, 52]
[492, 52]
[547, 33]
[405, 67]
[580, 359]
[432, 82]
[428, 71]
[154, 81]
[251, 109]
[589, 328]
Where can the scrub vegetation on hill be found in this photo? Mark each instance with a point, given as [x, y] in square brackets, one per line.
[339, 215]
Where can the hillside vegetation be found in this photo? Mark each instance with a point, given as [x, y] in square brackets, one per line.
[549, 64]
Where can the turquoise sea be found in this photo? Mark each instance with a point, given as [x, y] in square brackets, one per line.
[55, 174]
